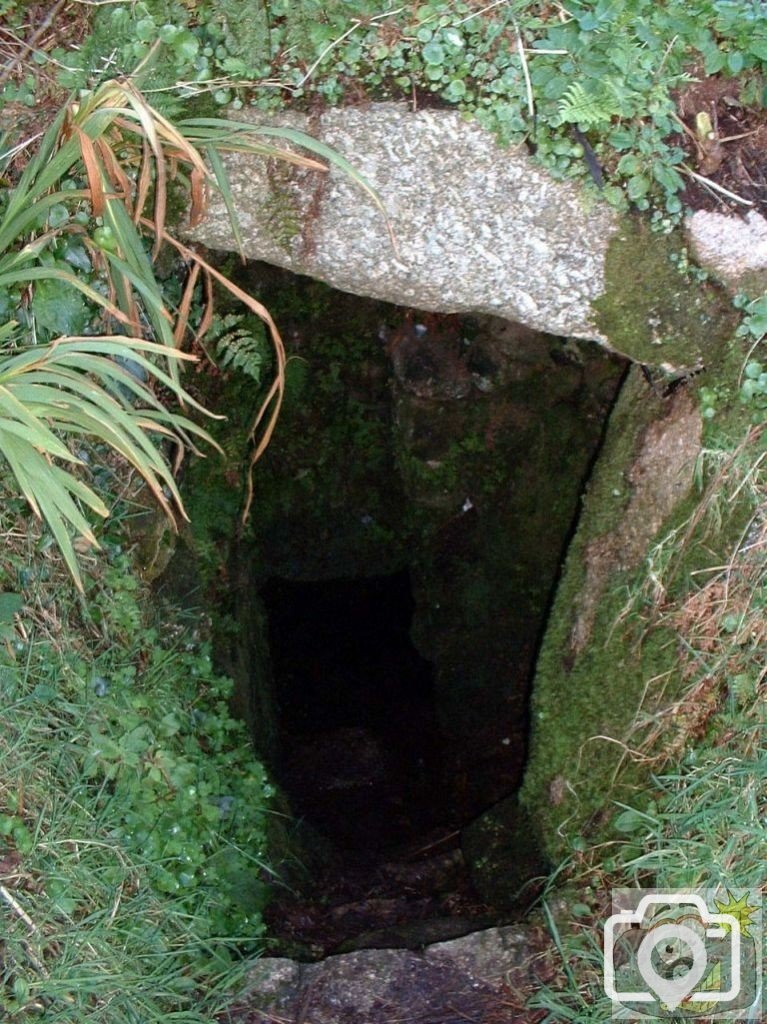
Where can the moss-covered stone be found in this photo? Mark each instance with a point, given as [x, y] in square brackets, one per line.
[590, 677]
[606, 653]
[649, 311]
[503, 856]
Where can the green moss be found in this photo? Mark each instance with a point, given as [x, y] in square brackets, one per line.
[753, 283]
[593, 692]
[651, 312]
[586, 700]
[502, 856]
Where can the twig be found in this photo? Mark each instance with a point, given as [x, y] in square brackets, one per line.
[28, 46]
[712, 184]
[430, 846]
[477, 14]
[526, 73]
[11, 153]
[352, 28]
[17, 908]
[32, 928]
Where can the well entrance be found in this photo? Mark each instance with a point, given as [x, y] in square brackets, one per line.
[410, 520]
[361, 746]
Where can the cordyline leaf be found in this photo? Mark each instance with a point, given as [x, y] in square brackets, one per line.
[70, 388]
[28, 274]
[45, 488]
[270, 408]
[144, 183]
[150, 121]
[115, 174]
[197, 195]
[238, 135]
[222, 180]
[182, 313]
[75, 387]
[18, 418]
[93, 172]
[72, 352]
[12, 229]
[242, 137]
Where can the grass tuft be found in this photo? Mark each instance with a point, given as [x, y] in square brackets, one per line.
[132, 813]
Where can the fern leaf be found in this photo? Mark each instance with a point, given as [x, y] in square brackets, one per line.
[586, 109]
[241, 348]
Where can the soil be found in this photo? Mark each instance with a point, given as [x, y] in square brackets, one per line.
[415, 896]
[734, 158]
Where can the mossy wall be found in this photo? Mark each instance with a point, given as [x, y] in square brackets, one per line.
[609, 655]
[654, 309]
[458, 451]
[494, 484]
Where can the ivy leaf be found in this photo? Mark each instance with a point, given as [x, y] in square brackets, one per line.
[638, 186]
[735, 62]
[455, 91]
[629, 164]
[670, 179]
[186, 45]
[453, 37]
[758, 47]
[59, 308]
[713, 60]
[588, 21]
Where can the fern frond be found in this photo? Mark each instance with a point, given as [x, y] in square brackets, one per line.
[587, 108]
[243, 348]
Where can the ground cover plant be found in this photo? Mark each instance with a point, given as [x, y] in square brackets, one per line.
[594, 90]
[133, 865]
[133, 816]
[701, 822]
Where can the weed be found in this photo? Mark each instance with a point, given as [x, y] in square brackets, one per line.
[132, 813]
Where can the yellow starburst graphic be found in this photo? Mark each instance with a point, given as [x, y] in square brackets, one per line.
[739, 909]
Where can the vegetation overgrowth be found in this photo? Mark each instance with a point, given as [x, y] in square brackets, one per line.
[698, 820]
[133, 864]
[589, 86]
[133, 816]
[125, 828]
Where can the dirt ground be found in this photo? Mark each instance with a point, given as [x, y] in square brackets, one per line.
[733, 158]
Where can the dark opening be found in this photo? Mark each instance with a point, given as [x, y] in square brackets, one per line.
[361, 755]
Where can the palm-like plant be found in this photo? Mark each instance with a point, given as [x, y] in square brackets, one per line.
[109, 155]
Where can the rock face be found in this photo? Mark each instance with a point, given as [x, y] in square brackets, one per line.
[477, 228]
[469, 978]
[592, 673]
[733, 248]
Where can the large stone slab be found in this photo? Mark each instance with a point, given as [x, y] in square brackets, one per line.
[477, 228]
[464, 979]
